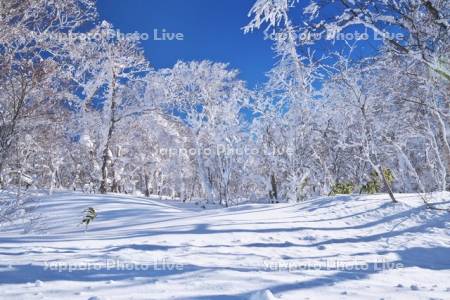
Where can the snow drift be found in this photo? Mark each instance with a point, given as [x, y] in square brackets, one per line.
[343, 247]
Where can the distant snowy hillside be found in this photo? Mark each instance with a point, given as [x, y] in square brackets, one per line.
[343, 247]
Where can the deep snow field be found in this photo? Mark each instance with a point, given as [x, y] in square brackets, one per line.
[343, 247]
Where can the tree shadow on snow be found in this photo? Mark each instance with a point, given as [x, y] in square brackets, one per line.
[20, 274]
[427, 258]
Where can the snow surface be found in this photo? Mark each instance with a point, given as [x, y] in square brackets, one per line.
[343, 247]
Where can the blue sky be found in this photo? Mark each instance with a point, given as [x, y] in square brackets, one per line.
[211, 28]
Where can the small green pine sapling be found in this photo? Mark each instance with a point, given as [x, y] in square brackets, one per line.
[342, 188]
[90, 215]
[374, 185]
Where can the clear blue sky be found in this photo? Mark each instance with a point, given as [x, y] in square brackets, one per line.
[212, 31]
[211, 28]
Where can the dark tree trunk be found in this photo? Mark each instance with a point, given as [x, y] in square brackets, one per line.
[273, 194]
[147, 185]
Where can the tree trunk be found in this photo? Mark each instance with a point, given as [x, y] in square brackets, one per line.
[445, 144]
[106, 159]
[387, 185]
[273, 194]
[115, 185]
[147, 185]
[112, 123]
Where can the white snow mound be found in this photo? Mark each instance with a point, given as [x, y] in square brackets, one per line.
[263, 295]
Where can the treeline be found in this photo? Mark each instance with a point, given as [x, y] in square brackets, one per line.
[90, 113]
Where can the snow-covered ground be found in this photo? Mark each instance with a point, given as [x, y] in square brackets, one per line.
[343, 247]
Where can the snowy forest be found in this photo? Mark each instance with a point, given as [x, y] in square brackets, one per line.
[85, 110]
[128, 175]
